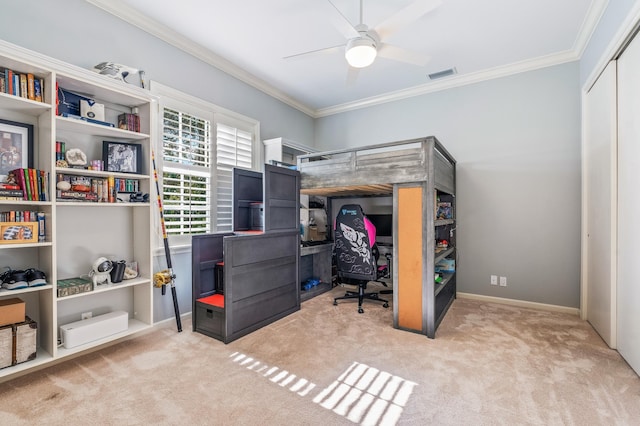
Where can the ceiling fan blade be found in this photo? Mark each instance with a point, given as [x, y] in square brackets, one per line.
[352, 76]
[402, 55]
[324, 50]
[404, 17]
[341, 23]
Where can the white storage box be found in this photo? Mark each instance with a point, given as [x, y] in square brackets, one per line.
[85, 331]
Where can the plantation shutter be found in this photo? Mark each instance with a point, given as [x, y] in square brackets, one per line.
[234, 148]
[186, 177]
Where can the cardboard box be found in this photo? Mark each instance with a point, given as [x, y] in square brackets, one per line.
[316, 235]
[12, 311]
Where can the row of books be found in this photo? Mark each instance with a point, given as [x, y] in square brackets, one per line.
[19, 216]
[25, 85]
[129, 122]
[33, 183]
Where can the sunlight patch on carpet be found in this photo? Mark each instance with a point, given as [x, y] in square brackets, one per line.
[283, 378]
[366, 395]
[361, 394]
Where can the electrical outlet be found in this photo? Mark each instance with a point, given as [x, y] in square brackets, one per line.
[503, 281]
[86, 315]
[494, 280]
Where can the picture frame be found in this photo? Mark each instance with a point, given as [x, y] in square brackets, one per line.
[16, 147]
[18, 232]
[122, 157]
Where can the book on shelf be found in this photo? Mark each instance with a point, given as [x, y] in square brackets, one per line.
[31, 91]
[23, 86]
[5, 185]
[16, 84]
[18, 193]
[38, 85]
[76, 196]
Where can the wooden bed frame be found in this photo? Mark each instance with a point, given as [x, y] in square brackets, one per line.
[415, 172]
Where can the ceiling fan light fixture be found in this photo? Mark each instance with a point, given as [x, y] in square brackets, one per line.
[361, 52]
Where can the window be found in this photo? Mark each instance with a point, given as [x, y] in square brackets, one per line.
[201, 143]
[186, 173]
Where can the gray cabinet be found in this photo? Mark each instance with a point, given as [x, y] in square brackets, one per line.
[247, 279]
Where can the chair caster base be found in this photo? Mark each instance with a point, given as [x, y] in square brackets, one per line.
[360, 311]
[386, 305]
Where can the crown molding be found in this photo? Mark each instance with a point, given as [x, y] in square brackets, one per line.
[138, 19]
[452, 82]
[595, 12]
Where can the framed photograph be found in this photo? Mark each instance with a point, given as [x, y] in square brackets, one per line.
[18, 232]
[16, 147]
[122, 157]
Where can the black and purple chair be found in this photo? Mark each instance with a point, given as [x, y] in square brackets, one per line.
[355, 252]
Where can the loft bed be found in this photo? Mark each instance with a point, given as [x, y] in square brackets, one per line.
[418, 173]
[375, 169]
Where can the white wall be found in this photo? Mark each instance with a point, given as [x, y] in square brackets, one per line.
[517, 145]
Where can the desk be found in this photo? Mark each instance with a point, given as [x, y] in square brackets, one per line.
[315, 262]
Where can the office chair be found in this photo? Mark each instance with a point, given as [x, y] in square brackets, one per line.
[355, 260]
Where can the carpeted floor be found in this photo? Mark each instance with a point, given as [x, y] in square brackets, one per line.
[490, 364]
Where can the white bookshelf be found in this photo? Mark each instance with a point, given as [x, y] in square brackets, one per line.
[79, 232]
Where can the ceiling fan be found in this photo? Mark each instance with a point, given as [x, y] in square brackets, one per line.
[364, 44]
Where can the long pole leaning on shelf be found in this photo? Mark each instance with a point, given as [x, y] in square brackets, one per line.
[162, 277]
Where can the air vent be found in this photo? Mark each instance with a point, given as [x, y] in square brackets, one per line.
[441, 74]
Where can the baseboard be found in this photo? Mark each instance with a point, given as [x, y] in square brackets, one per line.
[520, 303]
[172, 320]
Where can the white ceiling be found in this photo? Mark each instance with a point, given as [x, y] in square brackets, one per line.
[249, 38]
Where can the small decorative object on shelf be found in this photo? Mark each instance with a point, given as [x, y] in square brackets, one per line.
[71, 286]
[139, 197]
[61, 150]
[101, 271]
[119, 72]
[444, 211]
[76, 158]
[89, 108]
